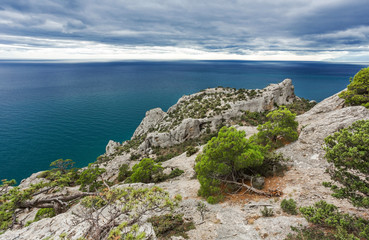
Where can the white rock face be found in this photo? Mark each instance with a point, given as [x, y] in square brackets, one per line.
[33, 179]
[274, 94]
[47, 227]
[321, 121]
[188, 129]
[267, 99]
[152, 118]
[111, 147]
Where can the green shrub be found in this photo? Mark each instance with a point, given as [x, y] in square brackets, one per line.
[89, 178]
[62, 165]
[168, 225]
[348, 150]
[358, 90]
[280, 130]
[103, 158]
[135, 156]
[147, 171]
[274, 164]
[202, 208]
[166, 157]
[191, 151]
[310, 233]
[175, 173]
[215, 199]
[44, 213]
[342, 226]
[289, 206]
[124, 172]
[301, 106]
[254, 118]
[225, 156]
[267, 212]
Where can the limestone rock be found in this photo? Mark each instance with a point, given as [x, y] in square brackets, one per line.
[274, 94]
[278, 227]
[266, 99]
[110, 149]
[47, 227]
[33, 179]
[233, 225]
[321, 121]
[188, 129]
[152, 117]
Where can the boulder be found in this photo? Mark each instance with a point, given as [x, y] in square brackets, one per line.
[152, 118]
[110, 149]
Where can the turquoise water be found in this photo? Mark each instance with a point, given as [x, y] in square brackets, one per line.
[71, 110]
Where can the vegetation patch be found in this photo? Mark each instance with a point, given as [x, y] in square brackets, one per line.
[348, 151]
[147, 171]
[225, 158]
[164, 154]
[280, 130]
[191, 151]
[124, 172]
[267, 212]
[289, 206]
[168, 225]
[251, 118]
[301, 106]
[358, 90]
[329, 223]
[130, 144]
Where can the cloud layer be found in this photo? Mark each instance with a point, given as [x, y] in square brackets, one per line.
[179, 29]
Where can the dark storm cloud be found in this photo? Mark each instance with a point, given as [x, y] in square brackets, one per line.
[232, 26]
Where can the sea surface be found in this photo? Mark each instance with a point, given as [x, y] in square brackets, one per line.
[52, 110]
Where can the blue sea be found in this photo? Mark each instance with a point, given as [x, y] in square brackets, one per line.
[52, 110]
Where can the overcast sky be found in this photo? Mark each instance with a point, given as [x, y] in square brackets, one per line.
[333, 30]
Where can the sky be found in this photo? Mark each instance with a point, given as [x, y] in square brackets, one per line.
[306, 30]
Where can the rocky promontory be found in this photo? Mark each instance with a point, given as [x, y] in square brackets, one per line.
[191, 118]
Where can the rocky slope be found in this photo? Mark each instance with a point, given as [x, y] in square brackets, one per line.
[198, 113]
[239, 217]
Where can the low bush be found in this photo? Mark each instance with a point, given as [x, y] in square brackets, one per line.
[348, 150]
[44, 213]
[168, 225]
[281, 129]
[135, 156]
[89, 178]
[267, 212]
[358, 90]
[191, 151]
[301, 106]
[339, 225]
[175, 173]
[124, 172]
[289, 206]
[147, 171]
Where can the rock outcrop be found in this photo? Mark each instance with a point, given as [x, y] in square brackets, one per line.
[152, 118]
[321, 121]
[188, 129]
[182, 123]
[110, 149]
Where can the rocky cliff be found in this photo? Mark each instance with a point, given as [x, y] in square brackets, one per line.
[236, 218]
[195, 114]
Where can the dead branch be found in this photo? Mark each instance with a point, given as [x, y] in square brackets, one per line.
[58, 203]
[249, 188]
